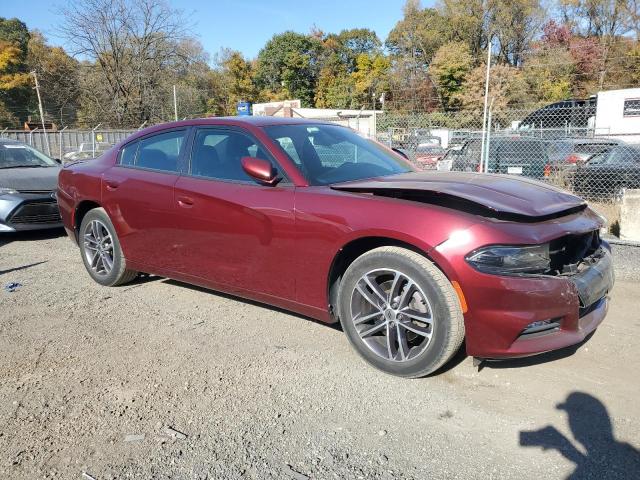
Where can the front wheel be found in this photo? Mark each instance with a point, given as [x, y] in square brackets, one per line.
[400, 312]
[101, 252]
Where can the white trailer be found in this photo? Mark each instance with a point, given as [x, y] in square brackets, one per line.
[618, 114]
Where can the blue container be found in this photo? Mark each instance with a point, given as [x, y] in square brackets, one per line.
[243, 109]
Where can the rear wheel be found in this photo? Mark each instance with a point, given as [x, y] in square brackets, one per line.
[101, 252]
[400, 312]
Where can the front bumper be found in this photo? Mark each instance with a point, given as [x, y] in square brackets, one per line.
[502, 310]
[29, 211]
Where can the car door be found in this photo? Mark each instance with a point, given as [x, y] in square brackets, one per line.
[235, 233]
[137, 193]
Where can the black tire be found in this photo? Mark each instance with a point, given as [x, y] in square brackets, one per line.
[447, 328]
[118, 274]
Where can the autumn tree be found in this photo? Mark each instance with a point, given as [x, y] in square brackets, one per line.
[59, 78]
[15, 82]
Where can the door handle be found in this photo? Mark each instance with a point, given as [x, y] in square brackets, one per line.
[185, 202]
[111, 185]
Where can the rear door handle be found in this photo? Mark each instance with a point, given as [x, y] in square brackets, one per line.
[185, 202]
[111, 185]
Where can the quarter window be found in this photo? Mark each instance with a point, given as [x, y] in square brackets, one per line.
[128, 154]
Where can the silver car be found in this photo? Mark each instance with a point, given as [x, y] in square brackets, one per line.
[28, 182]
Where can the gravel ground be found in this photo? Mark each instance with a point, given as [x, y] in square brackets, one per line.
[159, 379]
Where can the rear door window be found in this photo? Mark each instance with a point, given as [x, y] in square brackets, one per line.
[161, 152]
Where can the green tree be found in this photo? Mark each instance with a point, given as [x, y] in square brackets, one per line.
[288, 63]
[371, 78]
[450, 66]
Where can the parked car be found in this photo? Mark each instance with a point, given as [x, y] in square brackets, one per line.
[28, 180]
[569, 152]
[606, 175]
[507, 154]
[427, 155]
[313, 218]
[86, 150]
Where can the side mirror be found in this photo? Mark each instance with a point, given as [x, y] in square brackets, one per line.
[402, 153]
[260, 170]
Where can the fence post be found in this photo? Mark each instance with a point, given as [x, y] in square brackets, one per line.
[487, 157]
[93, 140]
[31, 132]
[60, 142]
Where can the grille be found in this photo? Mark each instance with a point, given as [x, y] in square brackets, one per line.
[38, 192]
[36, 213]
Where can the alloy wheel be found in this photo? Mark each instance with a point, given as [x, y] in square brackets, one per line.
[98, 247]
[392, 315]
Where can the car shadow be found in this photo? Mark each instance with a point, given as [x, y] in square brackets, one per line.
[22, 267]
[594, 450]
[32, 235]
[535, 359]
[333, 326]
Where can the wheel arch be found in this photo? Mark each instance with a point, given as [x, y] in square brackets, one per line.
[352, 250]
[80, 211]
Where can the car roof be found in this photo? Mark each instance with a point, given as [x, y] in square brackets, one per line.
[258, 121]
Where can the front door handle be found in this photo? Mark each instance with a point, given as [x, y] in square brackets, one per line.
[111, 185]
[185, 202]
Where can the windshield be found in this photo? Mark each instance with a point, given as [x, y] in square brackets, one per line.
[327, 154]
[618, 155]
[18, 155]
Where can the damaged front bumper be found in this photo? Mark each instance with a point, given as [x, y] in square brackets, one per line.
[521, 316]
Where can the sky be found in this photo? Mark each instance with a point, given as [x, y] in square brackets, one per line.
[243, 25]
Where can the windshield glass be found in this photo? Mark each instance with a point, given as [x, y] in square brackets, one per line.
[17, 155]
[619, 155]
[327, 154]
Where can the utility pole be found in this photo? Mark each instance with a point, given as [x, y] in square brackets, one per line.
[175, 104]
[486, 99]
[44, 128]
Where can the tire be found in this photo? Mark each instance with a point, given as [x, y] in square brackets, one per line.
[94, 246]
[396, 269]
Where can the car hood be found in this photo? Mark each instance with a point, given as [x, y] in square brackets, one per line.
[45, 178]
[502, 195]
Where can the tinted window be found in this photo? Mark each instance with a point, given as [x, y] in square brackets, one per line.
[128, 154]
[329, 153]
[217, 153]
[161, 152]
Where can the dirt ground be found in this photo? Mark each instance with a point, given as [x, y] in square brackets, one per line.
[159, 379]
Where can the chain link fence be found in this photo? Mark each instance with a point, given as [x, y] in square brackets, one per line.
[563, 146]
[69, 145]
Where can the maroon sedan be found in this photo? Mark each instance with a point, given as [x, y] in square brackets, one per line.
[311, 217]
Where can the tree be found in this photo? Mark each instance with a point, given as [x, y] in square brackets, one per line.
[15, 82]
[58, 75]
[450, 66]
[136, 47]
[288, 64]
[506, 87]
[371, 78]
[514, 23]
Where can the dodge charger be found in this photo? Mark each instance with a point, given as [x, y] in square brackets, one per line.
[312, 217]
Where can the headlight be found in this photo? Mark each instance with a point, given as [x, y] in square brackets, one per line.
[511, 260]
[7, 191]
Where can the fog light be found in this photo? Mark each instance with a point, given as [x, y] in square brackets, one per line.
[542, 326]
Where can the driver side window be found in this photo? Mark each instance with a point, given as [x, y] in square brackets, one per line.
[217, 154]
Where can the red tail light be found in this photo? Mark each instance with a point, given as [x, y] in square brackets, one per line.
[547, 170]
